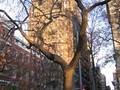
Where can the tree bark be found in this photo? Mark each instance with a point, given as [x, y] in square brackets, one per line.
[68, 79]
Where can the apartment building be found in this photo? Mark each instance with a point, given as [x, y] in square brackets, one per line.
[114, 18]
[114, 82]
[103, 81]
[51, 21]
[55, 22]
[23, 68]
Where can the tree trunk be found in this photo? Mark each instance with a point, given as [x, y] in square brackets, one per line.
[68, 79]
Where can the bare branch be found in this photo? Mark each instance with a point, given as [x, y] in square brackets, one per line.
[9, 17]
[116, 41]
[52, 8]
[82, 32]
[49, 55]
[39, 10]
[97, 4]
[80, 5]
[110, 39]
[25, 10]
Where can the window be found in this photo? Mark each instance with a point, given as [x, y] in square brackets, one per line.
[33, 35]
[20, 74]
[66, 4]
[28, 59]
[33, 80]
[59, 5]
[32, 73]
[14, 72]
[39, 2]
[21, 57]
[58, 54]
[119, 34]
[61, 53]
[62, 41]
[67, 59]
[58, 48]
[15, 53]
[62, 47]
[42, 57]
[27, 75]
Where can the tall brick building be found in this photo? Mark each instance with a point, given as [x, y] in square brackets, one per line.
[54, 20]
[56, 23]
[22, 68]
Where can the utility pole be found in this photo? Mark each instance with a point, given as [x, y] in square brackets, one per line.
[80, 75]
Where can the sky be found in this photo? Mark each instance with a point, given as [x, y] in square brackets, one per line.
[109, 68]
[106, 70]
[11, 7]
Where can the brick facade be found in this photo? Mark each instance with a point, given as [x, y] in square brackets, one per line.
[23, 68]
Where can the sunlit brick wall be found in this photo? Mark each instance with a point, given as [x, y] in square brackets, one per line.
[114, 13]
[58, 35]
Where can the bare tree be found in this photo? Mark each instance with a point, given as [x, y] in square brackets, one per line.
[99, 28]
[68, 69]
